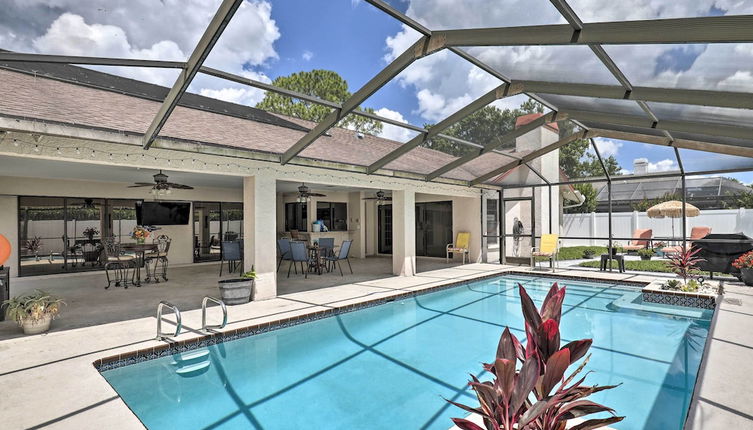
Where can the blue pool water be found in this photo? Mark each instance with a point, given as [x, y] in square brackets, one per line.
[389, 366]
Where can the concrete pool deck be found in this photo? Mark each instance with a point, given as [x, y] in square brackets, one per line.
[48, 381]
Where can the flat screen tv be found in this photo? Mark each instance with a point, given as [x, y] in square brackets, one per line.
[163, 213]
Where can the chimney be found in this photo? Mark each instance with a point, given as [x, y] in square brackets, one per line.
[640, 166]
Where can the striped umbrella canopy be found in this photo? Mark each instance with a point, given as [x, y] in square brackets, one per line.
[672, 209]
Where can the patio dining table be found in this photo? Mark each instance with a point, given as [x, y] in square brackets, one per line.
[316, 262]
[139, 249]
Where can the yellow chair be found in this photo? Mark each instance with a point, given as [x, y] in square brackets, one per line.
[460, 246]
[548, 247]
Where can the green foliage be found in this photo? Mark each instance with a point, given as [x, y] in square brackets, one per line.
[589, 205]
[658, 266]
[738, 200]
[691, 286]
[483, 127]
[32, 306]
[645, 204]
[577, 252]
[646, 252]
[578, 162]
[251, 274]
[324, 84]
[672, 284]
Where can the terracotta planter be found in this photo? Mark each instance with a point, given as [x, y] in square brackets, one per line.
[236, 291]
[747, 276]
[37, 326]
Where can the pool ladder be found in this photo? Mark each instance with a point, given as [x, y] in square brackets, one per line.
[207, 328]
[178, 321]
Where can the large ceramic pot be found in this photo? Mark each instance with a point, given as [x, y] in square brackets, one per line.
[236, 291]
[41, 325]
[747, 276]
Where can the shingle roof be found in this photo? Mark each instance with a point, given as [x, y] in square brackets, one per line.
[74, 95]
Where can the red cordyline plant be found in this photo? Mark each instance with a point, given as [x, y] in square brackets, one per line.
[744, 261]
[684, 261]
[537, 396]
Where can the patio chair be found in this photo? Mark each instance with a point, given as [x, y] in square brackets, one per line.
[641, 239]
[158, 258]
[342, 255]
[231, 254]
[695, 234]
[299, 254]
[548, 247]
[327, 247]
[460, 246]
[117, 263]
[283, 248]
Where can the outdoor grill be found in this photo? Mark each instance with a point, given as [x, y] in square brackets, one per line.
[720, 250]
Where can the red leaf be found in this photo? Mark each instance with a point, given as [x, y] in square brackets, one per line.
[505, 378]
[530, 313]
[596, 423]
[465, 424]
[524, 383]
[552, 306]
[578, 348]
[507, 345]
[555, 370]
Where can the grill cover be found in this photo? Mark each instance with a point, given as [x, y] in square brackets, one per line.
[719, 253]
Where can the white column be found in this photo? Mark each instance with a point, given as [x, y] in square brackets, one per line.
[356, 212]
[404, 233]
[260, 233]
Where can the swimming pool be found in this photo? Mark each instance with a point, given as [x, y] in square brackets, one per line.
[389, 366]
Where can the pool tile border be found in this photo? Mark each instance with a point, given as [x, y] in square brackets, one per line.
[185, 345]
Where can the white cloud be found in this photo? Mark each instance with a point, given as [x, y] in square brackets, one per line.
[607, 147]
[394, 132]
[662, 166]
[307, 55]
[166, 30]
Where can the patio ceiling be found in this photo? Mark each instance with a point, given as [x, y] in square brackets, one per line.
[700, 119]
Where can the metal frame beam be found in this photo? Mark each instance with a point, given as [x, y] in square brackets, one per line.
[695, 127]
[711, 29]
[511, 136]
[500, 92]
[13, 57]
[423, 47]
[534, 155]
[203, 48]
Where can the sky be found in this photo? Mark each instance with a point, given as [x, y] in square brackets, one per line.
[271, 38]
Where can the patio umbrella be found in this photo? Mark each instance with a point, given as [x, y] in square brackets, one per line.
[672, 209]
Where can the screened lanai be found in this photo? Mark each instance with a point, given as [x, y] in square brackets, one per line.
[588, 74]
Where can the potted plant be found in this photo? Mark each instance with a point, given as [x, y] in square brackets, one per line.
[239, 290]
[33, 312]
[89, 233]
[589, 253]
[616, 246]
[683, 263]
[140, 234]
[538, 394]
[745, 264]
[646, 253]
[658, 248]
[33, 245]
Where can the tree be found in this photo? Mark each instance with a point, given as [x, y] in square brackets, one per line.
[738, 200]
[644, 204]
[324, 84]
[589, 205]
[483, 127]
[578, 162]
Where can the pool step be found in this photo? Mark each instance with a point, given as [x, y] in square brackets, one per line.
[193, 369]
[179, 359]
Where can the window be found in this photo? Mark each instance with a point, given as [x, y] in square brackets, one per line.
[334, 215]
[295, 216]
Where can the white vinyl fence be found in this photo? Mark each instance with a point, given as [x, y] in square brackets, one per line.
[623, 224]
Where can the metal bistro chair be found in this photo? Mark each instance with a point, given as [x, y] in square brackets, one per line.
[117, 262]
[231, 254]
[283, 247]
[158, 258]
[327, 246]
[299, 254]
[342, 255]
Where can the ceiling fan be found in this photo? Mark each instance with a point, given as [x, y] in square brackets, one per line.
[380, 197]
[304, 194]
[160, 186]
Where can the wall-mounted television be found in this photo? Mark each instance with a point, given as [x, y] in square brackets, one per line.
[163, 213]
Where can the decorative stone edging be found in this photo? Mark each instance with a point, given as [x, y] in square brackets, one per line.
[653, 293]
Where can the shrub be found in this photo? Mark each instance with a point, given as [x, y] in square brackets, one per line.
[646, 252]
[684, 262]
[744, 261]
[34, 307]
[538, 396]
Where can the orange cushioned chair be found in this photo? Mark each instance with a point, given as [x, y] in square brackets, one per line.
[641, 239]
